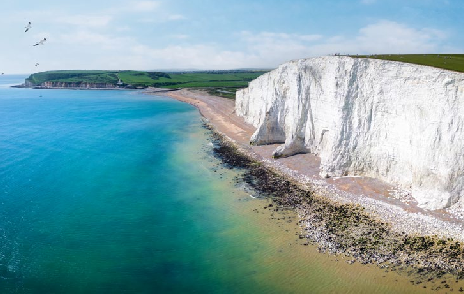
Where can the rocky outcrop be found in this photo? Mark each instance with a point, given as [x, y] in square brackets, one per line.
[399, 122]
[27, 84]
[78, 85]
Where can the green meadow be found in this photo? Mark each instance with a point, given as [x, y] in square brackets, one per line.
[74, 76]
[221, 83]
[454, 62]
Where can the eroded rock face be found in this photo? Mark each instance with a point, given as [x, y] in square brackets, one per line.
[399, 122]
[81, 85]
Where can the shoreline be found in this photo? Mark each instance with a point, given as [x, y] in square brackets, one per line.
[148, 90]
[381, 200]
[340, 222]
[345, 230]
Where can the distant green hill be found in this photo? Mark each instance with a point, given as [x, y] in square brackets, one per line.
[454, 62]
[222, 83]
[74, 76]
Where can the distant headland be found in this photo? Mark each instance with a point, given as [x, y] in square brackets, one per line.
[219, 82]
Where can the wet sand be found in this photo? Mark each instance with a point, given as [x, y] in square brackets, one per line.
[383, 201]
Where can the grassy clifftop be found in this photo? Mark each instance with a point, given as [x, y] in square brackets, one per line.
[223, 83]
[454, 62]
[75, 76]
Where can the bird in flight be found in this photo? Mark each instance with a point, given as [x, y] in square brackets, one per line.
[37, 64]
[41, 42]
[28, 27]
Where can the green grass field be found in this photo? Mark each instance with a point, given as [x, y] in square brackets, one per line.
[91, 76]
[454, 62]
[222, 83]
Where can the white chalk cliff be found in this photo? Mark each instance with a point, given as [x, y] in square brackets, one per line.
[398, 122]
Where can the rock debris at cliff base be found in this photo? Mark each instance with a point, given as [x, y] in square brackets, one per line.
[346, 229]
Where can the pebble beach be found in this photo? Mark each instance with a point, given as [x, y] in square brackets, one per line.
[364, 219]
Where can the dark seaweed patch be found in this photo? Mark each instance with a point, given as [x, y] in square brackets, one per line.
[346, 229]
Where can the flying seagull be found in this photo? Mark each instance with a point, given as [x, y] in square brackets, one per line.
[41, 42]
[28, 27]
[37, 64]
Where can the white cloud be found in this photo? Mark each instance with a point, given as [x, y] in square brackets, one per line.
[392, 37]
[88, 38]
[269, 37]
[144, 6]
[147, 20]
[176, 17]
[194, 56]
[381, 37]
[310, 38]
[180, 36]
[162, 18]
[85, 20]
[118, 50]
[268, 49]
[123, 29]
[132, 7]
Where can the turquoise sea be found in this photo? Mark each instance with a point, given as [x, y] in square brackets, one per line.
[118, 192]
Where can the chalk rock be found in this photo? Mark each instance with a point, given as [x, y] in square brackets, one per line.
[398, 122]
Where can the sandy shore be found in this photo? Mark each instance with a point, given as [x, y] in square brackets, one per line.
[380, 199]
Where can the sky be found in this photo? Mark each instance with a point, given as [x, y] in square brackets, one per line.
[218, 34]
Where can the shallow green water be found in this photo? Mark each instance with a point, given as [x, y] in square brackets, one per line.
[117, 192]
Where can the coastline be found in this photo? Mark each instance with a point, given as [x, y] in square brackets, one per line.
[380, 199]
[345, 216]
[148, 90]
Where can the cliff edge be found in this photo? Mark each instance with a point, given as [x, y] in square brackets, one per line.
[399, 122]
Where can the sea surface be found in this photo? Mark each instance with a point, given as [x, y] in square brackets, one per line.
[119, 192]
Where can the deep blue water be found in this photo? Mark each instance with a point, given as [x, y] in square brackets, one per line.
[118, 192]
[99, 193]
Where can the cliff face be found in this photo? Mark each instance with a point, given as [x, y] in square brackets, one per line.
[399, 122]
[80, 85]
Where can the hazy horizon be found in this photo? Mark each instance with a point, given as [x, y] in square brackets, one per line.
[218, 35]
